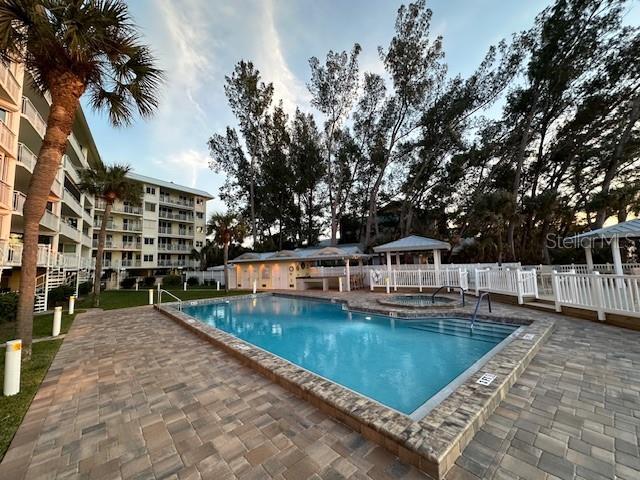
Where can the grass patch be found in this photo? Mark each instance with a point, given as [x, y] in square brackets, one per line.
[112, 299]
[42, 326]
[13, 409]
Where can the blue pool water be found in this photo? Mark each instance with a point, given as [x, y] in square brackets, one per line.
[398, 363]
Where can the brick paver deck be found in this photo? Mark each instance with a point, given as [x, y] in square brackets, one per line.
[133, 395]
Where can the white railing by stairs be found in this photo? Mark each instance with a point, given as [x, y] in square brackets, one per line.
[417, 278]
[518, 282]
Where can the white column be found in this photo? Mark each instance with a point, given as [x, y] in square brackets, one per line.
[436, 266]
[388, 270]
[397, 258]
[617, 259]
[589, 256]
[348, 271]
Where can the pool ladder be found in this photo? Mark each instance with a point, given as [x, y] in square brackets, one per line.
[171, 295]
[475, 311]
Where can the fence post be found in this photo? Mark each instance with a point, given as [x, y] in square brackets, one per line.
[519, 286]
[599, 295]
[420, 280]
[477, 280]
[371, 280]
[535, 282]
[387, 282]
[395, 281]
[555, 283]
[340, 284]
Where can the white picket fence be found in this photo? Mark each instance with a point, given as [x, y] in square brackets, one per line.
[417, 278]
[518, 282]
[603, 293]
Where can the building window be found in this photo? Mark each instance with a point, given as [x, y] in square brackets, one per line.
[151, 190]
[148, 258]
[198, 243]
[148, 241]
[200, 215]
[149, 207]
[199, 201]
[200, 229]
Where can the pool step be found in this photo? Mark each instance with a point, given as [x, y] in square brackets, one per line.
[479, 332]
[465, 322]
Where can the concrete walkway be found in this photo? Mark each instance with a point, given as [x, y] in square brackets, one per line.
[133, 395]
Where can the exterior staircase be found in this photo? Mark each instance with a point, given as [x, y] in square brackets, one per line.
[44, 284]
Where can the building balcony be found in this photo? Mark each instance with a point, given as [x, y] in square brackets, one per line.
[77, 148]
[175, 232]
[70, 231]
[176, 216]
[72, 202]
[119, 208]
[50, 221]
[173, 263]
[9, 83]
[30, 112]
[6, 201]
[173, 247]
[18, 202]
[113, 245]
[7, 139]
[123, 227]
[26, 158]
[70, 169]
[11, 255]
[169, 200]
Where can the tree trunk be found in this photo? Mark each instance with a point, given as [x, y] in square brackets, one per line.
[225, 261]
[373, 200]
[66, 91]
[601, 216]
[99, 253]
[252, 202]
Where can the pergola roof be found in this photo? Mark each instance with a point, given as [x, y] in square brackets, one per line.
[304, 254]
[628, 229]
[412, 243]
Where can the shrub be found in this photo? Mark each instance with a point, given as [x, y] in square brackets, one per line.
[172, 281]
[8, 306]
[84, 288]
[193, 281]
[59, 295]
[128, 282]
[149, 281]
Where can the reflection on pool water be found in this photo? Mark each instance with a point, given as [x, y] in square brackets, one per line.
[398, 363]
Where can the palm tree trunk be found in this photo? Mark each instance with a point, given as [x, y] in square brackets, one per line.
[101, 240]
[66, 91]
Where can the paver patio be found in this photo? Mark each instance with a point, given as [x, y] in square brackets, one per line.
[133, 395]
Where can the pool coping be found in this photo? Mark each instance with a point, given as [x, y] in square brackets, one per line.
[432, 443]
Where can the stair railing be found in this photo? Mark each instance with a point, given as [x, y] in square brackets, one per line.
[475, 311]
[433, 297]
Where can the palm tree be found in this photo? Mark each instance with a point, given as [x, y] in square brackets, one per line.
[109, 183]
[69, 48]
[226, 228]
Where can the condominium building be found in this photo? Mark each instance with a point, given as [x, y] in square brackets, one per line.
[156, 237]
[66, 227]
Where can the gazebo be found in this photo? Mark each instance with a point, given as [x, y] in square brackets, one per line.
[612, 235]
[413, 243]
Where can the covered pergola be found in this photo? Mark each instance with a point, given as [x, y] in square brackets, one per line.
[611, 235]
[413, 243]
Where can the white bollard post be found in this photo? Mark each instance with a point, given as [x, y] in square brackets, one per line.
[151, 296]
[339, 284]
[12, 360]
[255, 286]
[72, 304]
[184, 286]
[137, 286]
[57, 320]
[218, 285]
[158, 289]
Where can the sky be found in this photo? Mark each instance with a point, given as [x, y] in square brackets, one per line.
[198, 42]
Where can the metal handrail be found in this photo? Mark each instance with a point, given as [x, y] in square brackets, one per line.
[475, 311]
[171, 295]
[433, 297]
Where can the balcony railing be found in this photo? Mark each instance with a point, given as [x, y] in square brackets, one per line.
[5, 194]
[7, 137]
[179, 232]
[58, 182]
[70, 168]
[78, 149]
[73, 202]
[49, 220]
[18, 202]
[172, 263]
[70, 231]
[9, 82]
[129, 209]
[176, 216]
[111, 245]
[176, 201]
[132, 227]
[26, 157]
[172, 247]
[130, 263]
[30, 112]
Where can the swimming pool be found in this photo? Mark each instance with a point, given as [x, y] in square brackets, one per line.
[398, 363]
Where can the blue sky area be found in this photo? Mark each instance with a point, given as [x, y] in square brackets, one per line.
[198, 42]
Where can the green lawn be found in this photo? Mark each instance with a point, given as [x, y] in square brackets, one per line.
[42, 326]
[112, 299]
